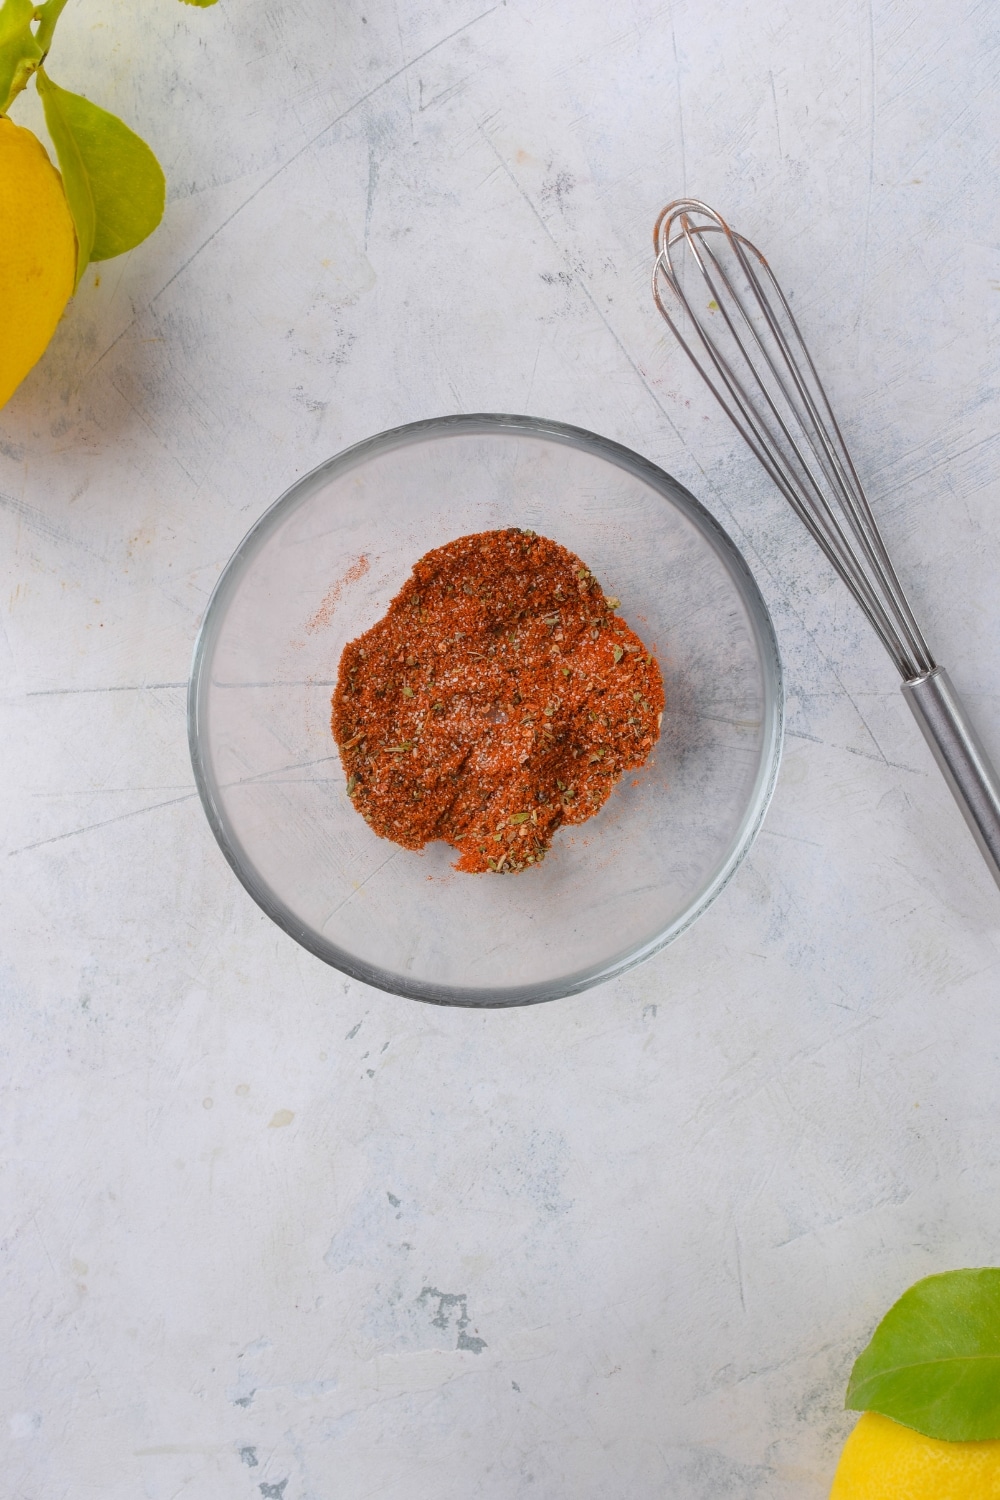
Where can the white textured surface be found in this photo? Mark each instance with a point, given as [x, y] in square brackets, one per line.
[257, 1219]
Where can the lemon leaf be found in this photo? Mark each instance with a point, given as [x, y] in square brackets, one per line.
[76, 181]
[113, 182]
[19, 51]
[933, 1363]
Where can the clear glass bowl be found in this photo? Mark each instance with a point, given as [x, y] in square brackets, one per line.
[321, 566]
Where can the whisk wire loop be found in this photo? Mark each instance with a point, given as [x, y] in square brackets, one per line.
[823, 450]
[844, 477]
[751, 353]
[755, 431]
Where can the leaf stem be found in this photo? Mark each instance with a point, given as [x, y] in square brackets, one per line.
[48, 14]
[34, 47]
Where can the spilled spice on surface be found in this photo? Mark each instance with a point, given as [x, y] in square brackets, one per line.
[358, 568]
[499, 697]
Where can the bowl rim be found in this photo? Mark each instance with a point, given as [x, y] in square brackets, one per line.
[772, 713]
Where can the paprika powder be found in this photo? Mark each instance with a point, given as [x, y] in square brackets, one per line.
[500, 696]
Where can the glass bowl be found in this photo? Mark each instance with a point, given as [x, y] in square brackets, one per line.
[320, 567]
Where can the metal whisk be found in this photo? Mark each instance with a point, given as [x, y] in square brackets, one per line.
[742, 338]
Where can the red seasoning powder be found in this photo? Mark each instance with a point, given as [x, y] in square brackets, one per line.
[499, 697]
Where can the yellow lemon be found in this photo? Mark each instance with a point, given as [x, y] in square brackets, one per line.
[37, 253]
[884, 1461]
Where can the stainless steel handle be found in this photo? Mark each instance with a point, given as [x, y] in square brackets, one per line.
[967, 768]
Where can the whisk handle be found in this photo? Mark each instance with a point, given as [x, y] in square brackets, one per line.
[964, 763]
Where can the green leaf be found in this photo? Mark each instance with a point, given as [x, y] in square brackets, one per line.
[934, 1360]
[76, 179]
[114, 183]
[19, 51]
[202, 3]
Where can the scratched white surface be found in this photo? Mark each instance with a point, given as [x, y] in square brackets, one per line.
[267, 1233]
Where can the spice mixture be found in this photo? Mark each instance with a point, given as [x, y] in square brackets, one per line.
[499, 697]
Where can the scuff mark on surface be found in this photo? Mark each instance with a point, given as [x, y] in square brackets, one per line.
[448, 1302]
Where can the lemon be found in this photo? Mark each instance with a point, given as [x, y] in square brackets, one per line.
[37, 253]
[884, 1461]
